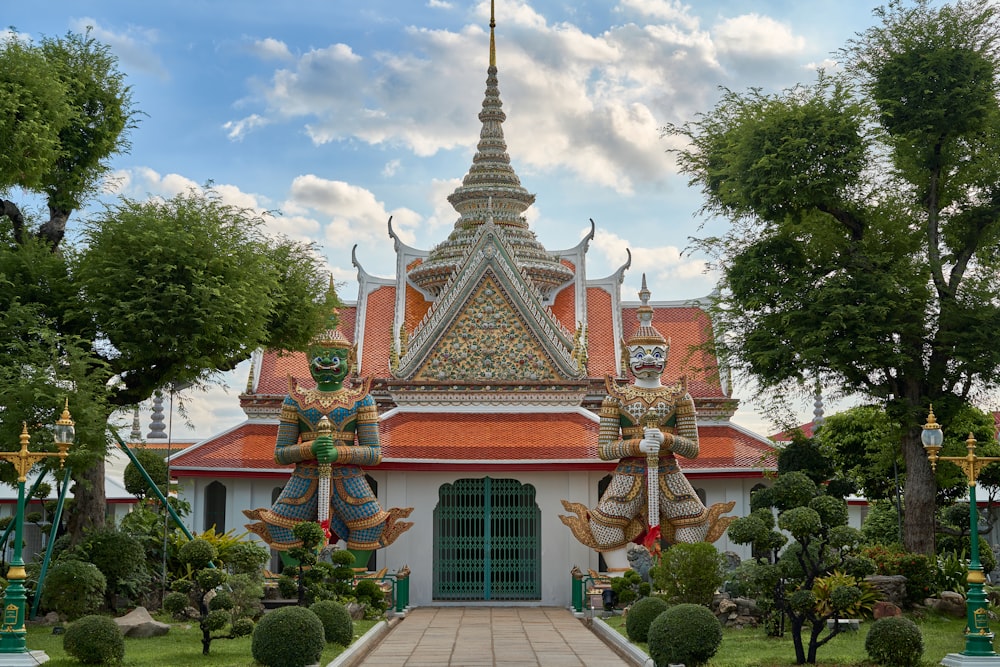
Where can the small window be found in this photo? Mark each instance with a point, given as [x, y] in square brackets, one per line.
[215, 507]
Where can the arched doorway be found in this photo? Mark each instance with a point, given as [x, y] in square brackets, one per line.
[487, 541]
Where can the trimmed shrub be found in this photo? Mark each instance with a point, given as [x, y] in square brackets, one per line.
[270, 645]
[122, 560]
[155, 466]
[641, 615]
[73, 588]
[95, 640]
[338, 628]
[895, 642]
[685, 633]
[690, 573]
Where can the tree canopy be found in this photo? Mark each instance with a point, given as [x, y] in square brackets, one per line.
[149, 294]
[864, 250]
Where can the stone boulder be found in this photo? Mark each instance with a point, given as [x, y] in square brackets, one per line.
[892, 588]
[139, 624]
[949, 603]
[883, 609]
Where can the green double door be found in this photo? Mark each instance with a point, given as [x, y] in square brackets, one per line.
[487, 541]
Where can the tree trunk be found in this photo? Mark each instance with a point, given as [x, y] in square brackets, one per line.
[919, 495]
[89, 502]
[54, 228]
[797, 623]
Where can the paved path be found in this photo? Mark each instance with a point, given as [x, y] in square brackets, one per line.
[492, 637]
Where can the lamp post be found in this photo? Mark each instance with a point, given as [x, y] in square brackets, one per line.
[13, 650]
[978, 636]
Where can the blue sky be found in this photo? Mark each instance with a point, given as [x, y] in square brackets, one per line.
[340, 114]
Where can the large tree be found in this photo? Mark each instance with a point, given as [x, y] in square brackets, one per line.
[864, 249]
[152, 294]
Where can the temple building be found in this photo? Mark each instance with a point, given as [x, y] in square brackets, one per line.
[489, 355]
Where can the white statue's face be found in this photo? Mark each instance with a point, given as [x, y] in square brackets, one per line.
[647, 361]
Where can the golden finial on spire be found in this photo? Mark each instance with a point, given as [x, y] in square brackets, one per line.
[493, 45]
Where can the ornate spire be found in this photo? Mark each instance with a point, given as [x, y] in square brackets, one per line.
[493, 43]
[491, 189]
[646, 334]
[157, 429]
[136, 434]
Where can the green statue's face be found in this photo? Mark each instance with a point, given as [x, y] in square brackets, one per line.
[328, 365]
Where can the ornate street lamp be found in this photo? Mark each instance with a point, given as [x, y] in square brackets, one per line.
[13, 650]
[978, 637]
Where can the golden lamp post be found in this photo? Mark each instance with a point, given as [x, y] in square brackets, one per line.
[978, 637]
[13, 650]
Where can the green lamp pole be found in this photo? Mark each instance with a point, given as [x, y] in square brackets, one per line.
[978, 636]
[13, 650]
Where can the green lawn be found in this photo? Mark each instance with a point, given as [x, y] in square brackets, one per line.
[752, 648]
[181, 647]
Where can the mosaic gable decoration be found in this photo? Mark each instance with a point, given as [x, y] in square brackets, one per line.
[488, 341]
[487, 299]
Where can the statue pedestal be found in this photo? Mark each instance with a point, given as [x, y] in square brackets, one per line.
[617, 561]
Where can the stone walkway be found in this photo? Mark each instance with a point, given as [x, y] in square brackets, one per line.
[492, 637]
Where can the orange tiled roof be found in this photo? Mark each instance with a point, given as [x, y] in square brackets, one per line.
[378, 332]
[489, 436]
[600, 333]
[476, 437]
[725, 447]
[247, 447]
[416, 307]
[564, 307]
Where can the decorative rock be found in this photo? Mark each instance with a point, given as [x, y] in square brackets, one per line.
[883, 609]
[139, 624]
[948, 606]
[727, 606]
[891, 587]
[356, 610]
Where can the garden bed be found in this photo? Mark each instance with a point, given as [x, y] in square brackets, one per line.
[751, 647]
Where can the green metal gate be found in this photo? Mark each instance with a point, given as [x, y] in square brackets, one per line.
[487, 542]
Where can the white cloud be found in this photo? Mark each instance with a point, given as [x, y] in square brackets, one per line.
[755, 36]
[391, 167]
[134, 46]
[237, 129]
[665, 266]
[271, 49]
[350, 213]
[440, 4]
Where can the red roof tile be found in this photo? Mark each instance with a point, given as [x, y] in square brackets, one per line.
[249, 446]
[378, 332]
[600, 333]
[564, 307]
[726, 447]
[477, 437]
[489, 436]
[416, 307]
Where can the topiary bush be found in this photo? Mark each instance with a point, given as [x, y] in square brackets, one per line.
[641, 615]
[338, 628]
[271, 647]
[95, 640]
[685, 633]
[122, 560]
[73, 588]
[895, 642]
[690, 573]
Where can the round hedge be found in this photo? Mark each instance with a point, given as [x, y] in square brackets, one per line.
[895, 641]
[270, 645]
[640, 615]
[337, 624]
[685, 633]
[95, 640]
[73, 588]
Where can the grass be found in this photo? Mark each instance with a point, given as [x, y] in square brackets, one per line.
[181, 647]
[753, 648]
